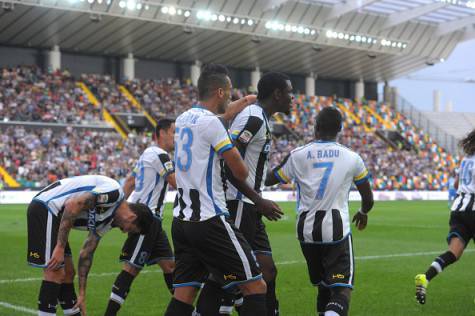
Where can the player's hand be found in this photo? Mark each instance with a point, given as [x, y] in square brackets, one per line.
[251, 99]
[360, 220]
[57, 258]
[269, 209]
[81, 304]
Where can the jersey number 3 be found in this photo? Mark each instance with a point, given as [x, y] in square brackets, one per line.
[185, 164]
[328, 166]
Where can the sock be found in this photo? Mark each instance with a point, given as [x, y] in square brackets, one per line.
[254, 305]
[323, 298]
[168, 277]
[48, 297]
[272, 304]
[338, 305]
[178, 308]
[119, 293]
[67, 298]
[439, 264]
[209, 301]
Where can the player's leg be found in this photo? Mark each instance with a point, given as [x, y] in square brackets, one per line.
[323, 297]
[458, 238]
[339, 302]
[314, 256]
[167, 266]
[121, 288]
[263, 253]
[67, 295]
[163, 254]
[42, 236]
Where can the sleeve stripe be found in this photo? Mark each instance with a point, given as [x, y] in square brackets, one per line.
[225, 142]
[281, 176]
[225, 148]
[361, 175]
[362, 180]
[235, 133]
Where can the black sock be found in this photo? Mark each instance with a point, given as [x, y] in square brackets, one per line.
[178, 308]
[67, 298]
[254, 305]
[210, 299]
[48, 297]
[272, 304]
[339, 304]
[439, 264]
[168, 277]
[322, 299]
[119, 293]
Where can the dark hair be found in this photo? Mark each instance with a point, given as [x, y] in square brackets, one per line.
[468, 143]
[328, 122]
[270, 82]
[213, 76]
[163, 124]
[144, 217]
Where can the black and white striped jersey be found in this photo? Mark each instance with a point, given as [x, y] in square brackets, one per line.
[464, 201]
[151, 172]
[200, 140]
[251, 130]
[108, 194]
[323, 173]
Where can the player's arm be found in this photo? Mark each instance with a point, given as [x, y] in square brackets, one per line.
[363, 185]
[237, 167]
[72, 208]
[129, 186]
[165, 167]
[279, 173]
[171, 179]
[456, 183]
[84, 265]
[234, 108]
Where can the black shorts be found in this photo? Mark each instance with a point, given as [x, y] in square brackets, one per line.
[216, 247]
[251, 225]
[462, 225]
[140, 250]
[43, 229]
[330, 265]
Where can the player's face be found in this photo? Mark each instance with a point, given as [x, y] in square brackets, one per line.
[168, 136]
[286, 99]
[129, 227]
[224, 96]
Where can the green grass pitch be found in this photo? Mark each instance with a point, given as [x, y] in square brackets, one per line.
[401, 240]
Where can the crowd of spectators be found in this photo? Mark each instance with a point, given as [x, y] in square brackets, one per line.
[39, 156]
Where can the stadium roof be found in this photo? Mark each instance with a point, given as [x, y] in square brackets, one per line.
[353, 39]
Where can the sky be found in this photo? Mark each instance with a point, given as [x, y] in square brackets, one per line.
[459, 66]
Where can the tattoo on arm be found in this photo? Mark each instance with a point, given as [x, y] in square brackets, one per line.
[85, 260]
[70, 214]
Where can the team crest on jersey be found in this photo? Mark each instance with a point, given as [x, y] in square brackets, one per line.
[102, 198]
[245, 136]
[267, 148]
[168, 166]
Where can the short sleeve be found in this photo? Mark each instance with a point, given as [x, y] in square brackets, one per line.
[245, 128]
[360, 173]
[107, 194]
[163, 165]
[217, 136]
[285, 171]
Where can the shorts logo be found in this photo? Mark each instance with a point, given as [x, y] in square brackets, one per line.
[245, 136]
[168, 166]
[34, 255]
[102, 198]
[229, 277]
[338, 276]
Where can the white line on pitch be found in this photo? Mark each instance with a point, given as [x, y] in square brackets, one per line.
[389, 256]
[18, 308]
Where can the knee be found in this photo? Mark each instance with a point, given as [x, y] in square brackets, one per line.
[134, 271]
[254, 287]
[167, 266]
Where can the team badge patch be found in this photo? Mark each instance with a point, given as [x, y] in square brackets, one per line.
[168, 166]
[102, 198]
[245, 136]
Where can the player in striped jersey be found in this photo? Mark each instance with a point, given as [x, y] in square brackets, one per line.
[94, 203]
[324, 171]
[252, 136]
[148, 184]
[204, 241]
[462, 219]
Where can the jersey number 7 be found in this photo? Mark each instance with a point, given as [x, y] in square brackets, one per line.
[328, 166]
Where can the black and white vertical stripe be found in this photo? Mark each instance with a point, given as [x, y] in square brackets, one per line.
[320, 227]
[464, 202]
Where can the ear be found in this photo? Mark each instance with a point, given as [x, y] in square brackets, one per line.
[220, 92]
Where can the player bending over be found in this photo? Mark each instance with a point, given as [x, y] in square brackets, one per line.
[149, 182]
[324, 171]
[94, 203]
[462, 220]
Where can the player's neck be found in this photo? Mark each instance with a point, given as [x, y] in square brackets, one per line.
[326, 139]
[210, 106]
[160, 144]
[265, 105]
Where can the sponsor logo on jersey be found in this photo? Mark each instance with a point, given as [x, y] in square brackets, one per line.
[229, 277]
[91, 220]
[168, 166]
[245, 136]
[267, 148]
